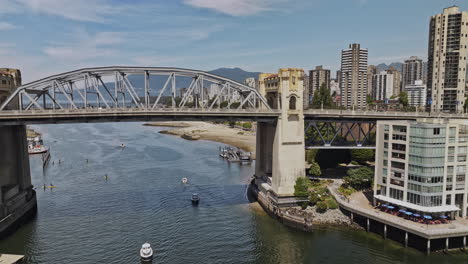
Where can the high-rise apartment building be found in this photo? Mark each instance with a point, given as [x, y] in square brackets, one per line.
[422, 166]
[447, 64]
[317, 77]
[354, 77]
[382, 86]
[416, 93]
[396, 80]
[413, 70]
[371, 71]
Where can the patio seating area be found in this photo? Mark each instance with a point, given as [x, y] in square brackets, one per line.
[418, 217]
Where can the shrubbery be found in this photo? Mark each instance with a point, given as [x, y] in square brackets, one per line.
[247, 125]
[331, 203]
[301, 186]
[346, 190]
[314, 169]
[322, 207]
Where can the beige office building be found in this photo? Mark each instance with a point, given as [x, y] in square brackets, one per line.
[10, 79]
[354, 84]
[447, 64]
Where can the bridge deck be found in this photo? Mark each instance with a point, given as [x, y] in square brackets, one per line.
[131, 115]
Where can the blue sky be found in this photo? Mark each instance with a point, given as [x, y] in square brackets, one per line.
[42, 37]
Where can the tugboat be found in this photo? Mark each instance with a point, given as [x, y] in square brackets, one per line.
[146, 253]
[195, 198]
[184, 180]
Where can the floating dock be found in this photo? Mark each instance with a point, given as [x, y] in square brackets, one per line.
[234, 154]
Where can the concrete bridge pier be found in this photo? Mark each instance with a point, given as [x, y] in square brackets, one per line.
[17, 198]
[280, 157]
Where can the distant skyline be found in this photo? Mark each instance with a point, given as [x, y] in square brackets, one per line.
[43, 37]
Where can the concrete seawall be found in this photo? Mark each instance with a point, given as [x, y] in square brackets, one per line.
[273, 211]
[22, 214]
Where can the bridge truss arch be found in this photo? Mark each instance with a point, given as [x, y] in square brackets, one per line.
[148, 88]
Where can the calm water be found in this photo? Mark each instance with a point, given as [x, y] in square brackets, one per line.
[87, 219]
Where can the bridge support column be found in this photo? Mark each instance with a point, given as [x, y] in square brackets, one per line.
[17, 198]
[280, 146]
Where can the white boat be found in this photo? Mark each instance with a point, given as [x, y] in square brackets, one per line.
[146, 253]
[35, 146]
[184, 180]
[36, 149]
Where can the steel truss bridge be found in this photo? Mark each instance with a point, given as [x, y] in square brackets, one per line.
[111, 88]
[119, 93]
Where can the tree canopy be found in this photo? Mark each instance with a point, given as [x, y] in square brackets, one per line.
[362, 155]
[360, 178]
[403, 98]
[322, 96]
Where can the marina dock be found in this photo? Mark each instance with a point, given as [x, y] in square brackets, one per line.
[234, 154]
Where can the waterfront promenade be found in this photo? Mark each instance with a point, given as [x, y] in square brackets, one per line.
[358, 205]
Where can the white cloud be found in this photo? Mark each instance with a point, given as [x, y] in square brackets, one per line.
[235, 7]
[83, 46]
[80, 10]
[6, 26]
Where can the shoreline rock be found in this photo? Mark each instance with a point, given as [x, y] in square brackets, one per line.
[190, 136]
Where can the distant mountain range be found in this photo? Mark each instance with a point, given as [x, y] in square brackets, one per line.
[396, 65]
[157, 81]
[235, 74]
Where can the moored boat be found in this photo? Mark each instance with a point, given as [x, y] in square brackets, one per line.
[184, 180]
[146, 253]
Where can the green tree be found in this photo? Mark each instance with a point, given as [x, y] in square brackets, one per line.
[314, 169]
[360, 178]
[322, 96]
[301, 186]
[369, 100]
[310, 155]
[362, 155]
[403, 99]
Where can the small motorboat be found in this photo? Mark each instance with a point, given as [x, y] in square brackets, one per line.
[184, 180]
[122, 145]
[146, 253]
[195, 198]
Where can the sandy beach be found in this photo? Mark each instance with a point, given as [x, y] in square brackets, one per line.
[236, 137]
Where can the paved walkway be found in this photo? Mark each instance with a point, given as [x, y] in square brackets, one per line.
[359, 204]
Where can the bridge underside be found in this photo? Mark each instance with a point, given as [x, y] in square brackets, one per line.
[344, 134]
